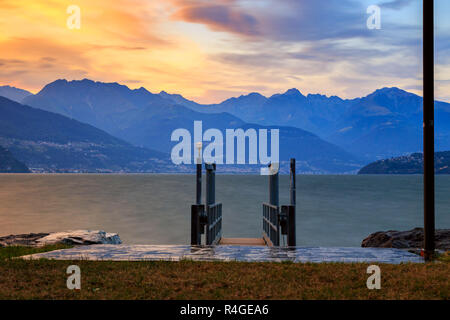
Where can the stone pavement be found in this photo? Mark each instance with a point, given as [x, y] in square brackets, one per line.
[229, 253]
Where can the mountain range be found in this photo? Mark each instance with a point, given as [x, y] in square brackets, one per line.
[385, 123]
[49, 142]
[13, 93]
[325, 134]
[148, 120]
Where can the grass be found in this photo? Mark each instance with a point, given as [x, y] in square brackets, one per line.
[17, 251]
[445, 257]
[46, 279]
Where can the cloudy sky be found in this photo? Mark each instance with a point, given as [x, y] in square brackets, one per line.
[212, 50]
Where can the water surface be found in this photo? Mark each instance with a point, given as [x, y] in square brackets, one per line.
[155, 209]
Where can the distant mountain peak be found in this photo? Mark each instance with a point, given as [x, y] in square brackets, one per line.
[294, 92]
[254, 94]
[84, 84]
[391, 91]
[251, 95]
[166, 94]
[55, 83]
[84, 80]
[9, 87]
[142, 89]
[13, 93]
[252, 98]
[316, 95]
[176, 98]
[323, 98]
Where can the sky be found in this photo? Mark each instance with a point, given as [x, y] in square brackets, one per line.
[209, 51]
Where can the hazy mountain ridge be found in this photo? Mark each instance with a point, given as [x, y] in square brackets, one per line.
[147, 120]
[96, 103]
[14, 93]
[50, 142]
[385, 123]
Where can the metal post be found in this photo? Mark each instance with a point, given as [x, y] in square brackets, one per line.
[196, 211]
[213, 182]
[292, 183]
[292, 241]
[273, 186]
[199, 173]
[199, 184]
[291, 238]
[210, 200]
[210, 183]
[428, 127]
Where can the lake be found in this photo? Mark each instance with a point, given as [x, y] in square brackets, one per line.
[332, 210]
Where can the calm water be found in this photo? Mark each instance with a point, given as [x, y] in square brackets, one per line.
[155, 209]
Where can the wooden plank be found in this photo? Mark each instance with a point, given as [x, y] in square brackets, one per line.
[243, 241]
[267, 241]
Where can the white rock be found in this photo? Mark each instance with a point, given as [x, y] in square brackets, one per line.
[84, 237]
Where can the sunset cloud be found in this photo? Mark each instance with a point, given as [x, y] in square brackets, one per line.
[219, 17]
[212, 50]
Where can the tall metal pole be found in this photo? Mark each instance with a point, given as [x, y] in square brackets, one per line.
[428, 127]
[210, 183]
[292, 184]
[273, 185]
[199, 184]
[199, 174]
[292, 242]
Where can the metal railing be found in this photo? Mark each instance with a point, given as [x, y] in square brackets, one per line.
[214, 223]
[279, 221]
[271, 224]
[206, 216]
[287, 224]
[197, 226]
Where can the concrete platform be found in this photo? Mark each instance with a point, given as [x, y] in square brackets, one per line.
[229, 253]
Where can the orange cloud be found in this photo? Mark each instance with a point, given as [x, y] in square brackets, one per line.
[30, 62]
[117, 40]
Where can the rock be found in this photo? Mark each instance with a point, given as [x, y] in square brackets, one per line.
[75, 237]
[28, 239]
[412, 239]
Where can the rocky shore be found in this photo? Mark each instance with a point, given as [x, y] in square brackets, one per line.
[73, 237]
[412, 239]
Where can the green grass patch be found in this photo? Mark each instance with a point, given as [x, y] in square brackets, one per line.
[445, 257]
[46, 279]
[17, 251]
